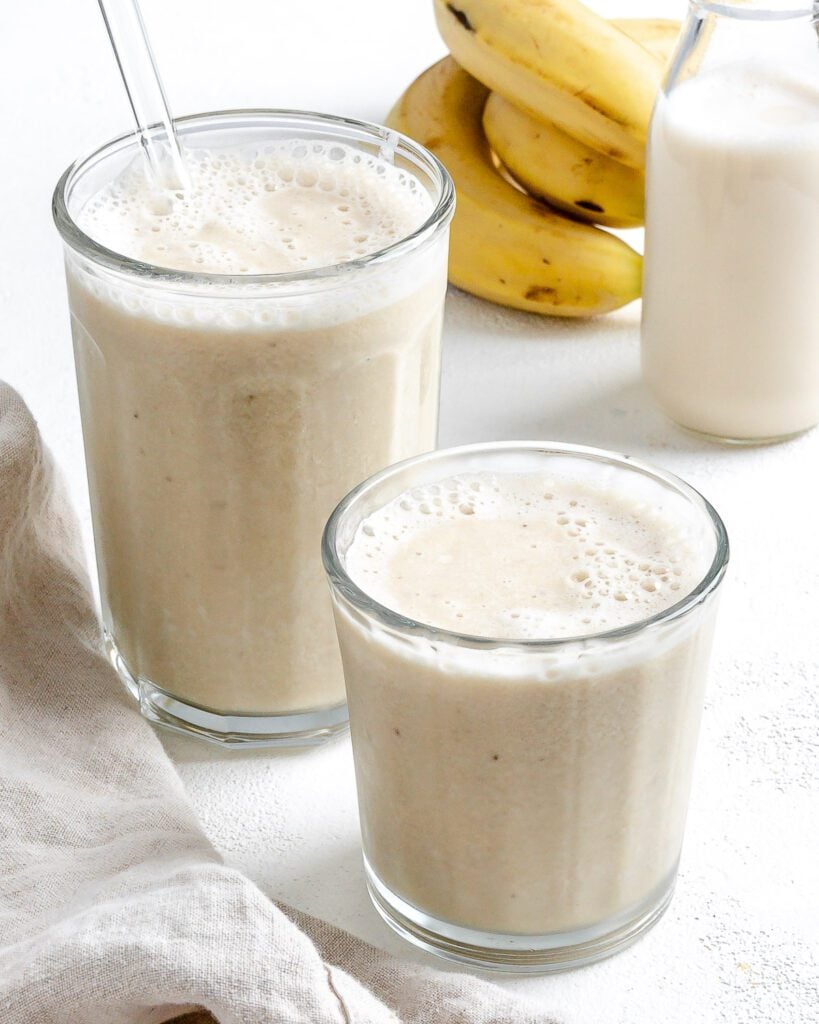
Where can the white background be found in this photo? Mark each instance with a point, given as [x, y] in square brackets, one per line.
[740, 942]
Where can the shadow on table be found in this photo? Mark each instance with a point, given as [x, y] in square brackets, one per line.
[465, 312]
[509, 375]
[334, 889]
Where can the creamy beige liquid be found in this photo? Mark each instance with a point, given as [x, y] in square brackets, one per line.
[222, 424]
[730, 307]
[513, 792]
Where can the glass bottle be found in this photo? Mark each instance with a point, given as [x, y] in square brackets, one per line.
[730, 332]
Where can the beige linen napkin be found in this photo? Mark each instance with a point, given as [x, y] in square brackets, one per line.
[114, 907]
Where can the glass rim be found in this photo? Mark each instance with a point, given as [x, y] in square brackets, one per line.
[81, 242]
[359, 598]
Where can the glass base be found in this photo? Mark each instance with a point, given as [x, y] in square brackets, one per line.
[742, 442]
[300, 729]
[519, 954]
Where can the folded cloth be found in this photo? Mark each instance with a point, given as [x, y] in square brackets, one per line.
[114, 907]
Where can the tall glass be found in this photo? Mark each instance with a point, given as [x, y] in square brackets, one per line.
[223, 418]
[523, 801]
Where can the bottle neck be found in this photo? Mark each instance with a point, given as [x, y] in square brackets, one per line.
[755, 40]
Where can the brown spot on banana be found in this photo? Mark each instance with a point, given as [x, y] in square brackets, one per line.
[539, 293]
[587, 204]
[460, 17]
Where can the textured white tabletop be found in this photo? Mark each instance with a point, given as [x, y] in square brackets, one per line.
[740, 943]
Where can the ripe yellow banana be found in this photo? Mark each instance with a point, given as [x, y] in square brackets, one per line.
[507, 247]
[560, 62]
[570, 175]
[658, 35]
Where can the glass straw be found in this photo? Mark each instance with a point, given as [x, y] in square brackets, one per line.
[140, 76]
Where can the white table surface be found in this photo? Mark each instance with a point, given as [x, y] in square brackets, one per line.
[740, 942]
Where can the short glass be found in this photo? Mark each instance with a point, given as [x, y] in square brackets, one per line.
[523, 802]
[223, 418]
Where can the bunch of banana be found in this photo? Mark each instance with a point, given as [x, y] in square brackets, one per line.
[565, 122]
[506, 246]
[557, 167]
[561, 62]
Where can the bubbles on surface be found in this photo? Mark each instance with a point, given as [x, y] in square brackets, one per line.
[498, 555]
[276, 208]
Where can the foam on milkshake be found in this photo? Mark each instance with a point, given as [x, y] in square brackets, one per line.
[286, 206]
[526, 556]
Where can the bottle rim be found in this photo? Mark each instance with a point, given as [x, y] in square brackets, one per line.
[752, 10]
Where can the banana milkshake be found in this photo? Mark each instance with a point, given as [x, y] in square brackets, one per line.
[271, 335]
[525, 635]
